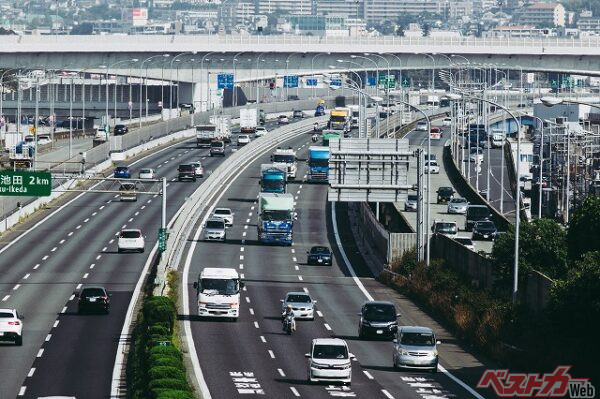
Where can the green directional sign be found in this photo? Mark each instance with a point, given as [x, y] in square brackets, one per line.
[554, 84]
[22, 183]
[405, 82]
[387, 81]
[162, 239]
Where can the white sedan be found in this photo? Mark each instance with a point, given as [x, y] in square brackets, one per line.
[260, 131]
[147, 173]
[131, 240]
[11, 326]
[476, 155]
[243, 139]
[432, 167]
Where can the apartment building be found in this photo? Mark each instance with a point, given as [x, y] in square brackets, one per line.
[350, 8]
[382, 10]
[283, 7]
[552, 14]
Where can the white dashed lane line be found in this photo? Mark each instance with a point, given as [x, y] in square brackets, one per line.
[263, 339]
[369, 376]
[296, 267]
[271, 354]
[45, 257]
[319, 313]
[78, 227]
[94, 214]
[300, 278]
[22, 390]
[36, 266]
[53, 249]
[62, 241]
[295, 391]
[251, 311]
[25, 277]
[16, 287]
[5, 298]
[86, 275]
[327, 327]
[256, 324]
[86, 220]
[40, 352]
[70, 234]
[387, 394]
[30, 374]
[55, 324]
[48, 337]
[79, 286]
[281, 373]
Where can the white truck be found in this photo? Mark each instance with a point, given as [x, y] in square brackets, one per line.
[205, 134]
[498, 137]
[355, 113]
[248, 120]
[287, 157]
[218, 292]
[223, 124]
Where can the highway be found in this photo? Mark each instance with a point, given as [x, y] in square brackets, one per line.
[64, 353]
[256, 348]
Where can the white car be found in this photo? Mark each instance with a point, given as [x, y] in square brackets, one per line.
[329, 359]
[243, 139]
[44, 139]
[11, 326]
[224, 214]
[466, 241]
[447, 122]
[476, 155]
[147, 173]
[198, 168]
[260, 131]
[421, 126]
[302, 304]
[283, 119]
[432, 167]
[130, 240]
[214, 230]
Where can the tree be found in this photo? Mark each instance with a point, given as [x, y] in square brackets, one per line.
[542, 247]
[584, 228]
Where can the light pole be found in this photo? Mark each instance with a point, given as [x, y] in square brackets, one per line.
[234, 92]
[361, 111]
[145, 81]
[361, 122]
[287, 63]
[171, 81]
[258, 59]
[387, 90]
[201, 69]
[312, 70]
[2, 93]
[107, 122]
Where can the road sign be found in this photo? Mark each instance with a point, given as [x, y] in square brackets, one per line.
[163, 235]
[311, 82]
[225, 81]
[290, 81]
[22, 183]
[405, 82]
[387, 81]
[368, 170]
[335, 82]
[371, 81]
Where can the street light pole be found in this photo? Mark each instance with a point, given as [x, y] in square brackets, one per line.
[142, 81]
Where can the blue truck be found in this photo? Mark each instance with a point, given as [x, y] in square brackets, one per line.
[275, 218]
[273, 178]
[318, 164]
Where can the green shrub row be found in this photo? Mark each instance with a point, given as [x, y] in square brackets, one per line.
[155, 366]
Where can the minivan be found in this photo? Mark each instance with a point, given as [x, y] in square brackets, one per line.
[328, 360]
[217, 148]
[186, 172]
[416, 348]
[476, 213]
[378, 319]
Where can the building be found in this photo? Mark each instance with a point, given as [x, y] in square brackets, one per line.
[342, 8]
[589, 24]
[544, 15]
[284, 7]
[459, 9]
[135, 16]
[377, 11]
[518, 31]
[318, 25]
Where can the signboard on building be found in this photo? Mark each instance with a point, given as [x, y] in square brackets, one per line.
[368, 170]
[225, 81]
[135, 16]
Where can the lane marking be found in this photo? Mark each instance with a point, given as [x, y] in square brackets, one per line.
[241, 266]
[53, 249]
[48, 337]
[319, 313]
[327, 327]
[98, 257]
[294, 259]
[72, 297]
[25, 277]
[92, 265]
[300, 278]
[30, 374]
[94, 214]
[262, 338]
[63, 310]
[247, 220]
[252, 208]
[293, 250]
[386, 393]
[104, 249]
[78, 227]
[137, 213]
[281, 373]
[271, 354]
[55, 324]
[62, 241]
[244, 234]
[5, 298]
[70, 234]
[369, 376]
[22, 391]
[16, 287]
[111, 241]
[295, 391]
[40, 352]
[256, 324]
[247, 300]
[36, 266]
[79, 286]
[122, 227]
[251, 311]
[245, 227]
[241, 249]
[305, 289]
[102, 207]
[241, 257]
[296, 267]
[143, 206]
[86, 275]
[242, 276]
[130, 220]
[86, 220]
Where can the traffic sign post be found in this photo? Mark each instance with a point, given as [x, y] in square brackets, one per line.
[163, 235]
[387, 81]
[22, 183]
[406, 82]
[225, 81]
[290, 81]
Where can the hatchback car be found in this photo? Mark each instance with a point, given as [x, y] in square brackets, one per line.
[302, 304]
[260, 131]
[298, 114]
[217, 148]
[130, 240]
[121, 130]
[411, 203]
[283, 119]
[215, 230]
[421, 126]
[466, 241]
[415, 348]
[329, 359]
[44, 139]
[93, 298]
[147, 173]
[319, 256]
[243, 139]
[432, 167]
[11, 326]
[186, 172]
[446, 228]
[224, 214]
[445, 194]
[458, 205]
[379, 319]
[122, 172]
[484, 230]
[447, 121]
[198, 168]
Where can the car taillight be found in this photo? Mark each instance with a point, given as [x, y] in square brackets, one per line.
[14, 323]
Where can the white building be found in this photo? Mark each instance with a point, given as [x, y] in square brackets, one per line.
[552, 14]
[389, 10]
[285, 7]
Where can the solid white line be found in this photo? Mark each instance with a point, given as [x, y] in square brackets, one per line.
[55, 324]
[5, 298]
[386, 393]
[281, 373]
[48, 337]
[22, 391]
[30, 374]
[16, 287]
[327, 327]
[36, 266]
[40, 352]
[271, 354]
[294, 391]
[53, 249]
[256, 324]
[319, 313]
[369, 376]
[25, 277]
[262, 338]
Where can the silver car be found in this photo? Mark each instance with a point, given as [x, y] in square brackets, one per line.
[214, 230]
[411, 203]
[198, 169]
[302, 304]
[458, 205]
[416, 348]
[224, 214]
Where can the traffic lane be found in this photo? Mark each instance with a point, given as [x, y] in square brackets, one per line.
[62, 275]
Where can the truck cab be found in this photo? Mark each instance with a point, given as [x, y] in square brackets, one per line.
[287, 157]
[205, 134]
[339, 119]
[273, 178]
[218, 292]
[275, 218]
[318, 164]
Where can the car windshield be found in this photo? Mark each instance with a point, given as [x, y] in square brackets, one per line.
[127, 187]
[446, 191]
[458, 201]
[478, 212]
[92, 292]
[431, 163]
[122, 169]
[445, 226]
[268, 183]
[417, 339]
[380, 313]
[485, 225]
[217, 144]
[319, 250]
[186, 168]
[6, 315]
[222, 212]
[215, 224]
[412, 198]
[283, 158]
[330, 352]
[276, 215]
[130, 234]
[243, 136]
[146, 171]
[298, 298]
[219, 286]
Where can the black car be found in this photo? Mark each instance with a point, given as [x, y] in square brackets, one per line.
[485, 230]
[378, 319]
[444, 194]
[319, 256]
[121, 130]
[93, 299]
[186, 172]
[476, 213]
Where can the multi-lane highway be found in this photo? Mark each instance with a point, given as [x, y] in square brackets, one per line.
[255, 354]
[64, 353]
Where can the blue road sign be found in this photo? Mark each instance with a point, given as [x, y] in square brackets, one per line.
[290, 81]
[225, 81]
[372, 81]
[335, 82]
[311, 81]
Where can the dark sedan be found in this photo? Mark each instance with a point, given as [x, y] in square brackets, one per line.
[319, 256]
[121, 130]
[122, 172]
[378, 319]
[93, 299]
[485, 230]
[444, 194]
